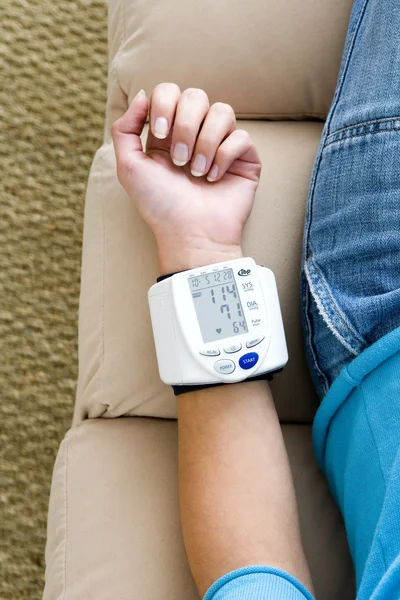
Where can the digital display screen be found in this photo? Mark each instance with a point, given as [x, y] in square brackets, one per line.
[218, 306]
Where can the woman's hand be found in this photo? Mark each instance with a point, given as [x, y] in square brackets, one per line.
[195, 183]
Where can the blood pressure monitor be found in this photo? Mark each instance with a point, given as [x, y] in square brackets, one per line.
[217, 324]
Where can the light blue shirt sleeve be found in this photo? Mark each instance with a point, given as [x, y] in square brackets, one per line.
[258, 583]
[357, 443]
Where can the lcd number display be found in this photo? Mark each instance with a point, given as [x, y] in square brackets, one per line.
[218, 306]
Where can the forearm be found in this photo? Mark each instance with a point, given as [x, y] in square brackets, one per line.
[237, 499]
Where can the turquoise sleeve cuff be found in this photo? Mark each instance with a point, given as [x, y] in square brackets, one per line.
[257, 583]
[347, 381]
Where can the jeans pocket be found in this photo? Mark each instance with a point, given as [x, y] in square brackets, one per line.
[331, 341]
[329, 309]
[351, 252]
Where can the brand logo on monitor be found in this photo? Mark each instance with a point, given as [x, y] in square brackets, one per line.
[244, 272]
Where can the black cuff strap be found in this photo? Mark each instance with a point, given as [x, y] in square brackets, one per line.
[162, 277]
[184, 389]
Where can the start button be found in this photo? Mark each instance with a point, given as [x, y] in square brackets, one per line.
[249, 360]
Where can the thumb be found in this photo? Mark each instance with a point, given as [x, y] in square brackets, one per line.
[127, 129]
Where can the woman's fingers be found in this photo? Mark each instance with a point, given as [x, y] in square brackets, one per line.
[126, 132]
[219, 123]
[163, 101]
[191, 110]
[175, 118]
[193, 131]
[238, 145]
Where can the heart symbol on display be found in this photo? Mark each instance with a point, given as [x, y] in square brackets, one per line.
[218, 330]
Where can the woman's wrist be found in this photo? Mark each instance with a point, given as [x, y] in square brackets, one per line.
[173, 257]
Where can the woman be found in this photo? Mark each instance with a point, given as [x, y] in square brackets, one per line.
[238, 508]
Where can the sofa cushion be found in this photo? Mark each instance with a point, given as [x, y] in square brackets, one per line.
[268, 59]
[118, 372]
[113, 527]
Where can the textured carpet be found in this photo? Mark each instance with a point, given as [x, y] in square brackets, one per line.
[53, 66]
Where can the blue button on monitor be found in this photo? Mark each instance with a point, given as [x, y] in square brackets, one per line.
[247, 361]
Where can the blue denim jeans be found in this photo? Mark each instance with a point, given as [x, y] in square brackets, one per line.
[351, 295]
[351, 253]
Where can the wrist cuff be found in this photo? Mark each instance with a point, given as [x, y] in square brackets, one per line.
[184, 389]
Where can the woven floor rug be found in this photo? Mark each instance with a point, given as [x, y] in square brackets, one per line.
[53, 65]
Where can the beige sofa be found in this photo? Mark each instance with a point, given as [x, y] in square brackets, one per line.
[113, 529]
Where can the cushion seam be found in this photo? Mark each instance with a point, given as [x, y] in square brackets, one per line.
[123, 29]
[97, 374]
[100, 378]
[122, 41]
[66, 517]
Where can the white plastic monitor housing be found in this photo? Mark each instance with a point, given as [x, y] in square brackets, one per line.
[183, 356]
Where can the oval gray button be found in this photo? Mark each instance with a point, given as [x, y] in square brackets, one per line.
[255, 341]
[233, 348]
[224, 366]
[210, 352]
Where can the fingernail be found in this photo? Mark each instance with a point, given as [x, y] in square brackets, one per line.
[212, 176]
[140, 93]
[161, 128]
[199, 165]
[181, 154]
